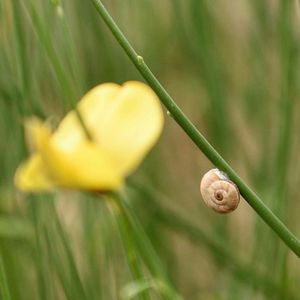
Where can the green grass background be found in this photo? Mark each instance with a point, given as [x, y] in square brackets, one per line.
[233, 67]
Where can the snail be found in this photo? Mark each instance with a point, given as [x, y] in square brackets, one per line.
[218, 192]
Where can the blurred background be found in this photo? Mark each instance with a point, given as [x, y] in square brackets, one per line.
[233, 67]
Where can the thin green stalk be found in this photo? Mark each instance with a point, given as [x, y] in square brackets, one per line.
[45, 282]
[91, 211]
[241, 271]
[23, 64]
[56, 258]
[254, 201]
[134, 261]
[79, 81]
[146, 250]
[58, 266]
[288, 46]
[70, 260]
[4, 290]
[62, 78]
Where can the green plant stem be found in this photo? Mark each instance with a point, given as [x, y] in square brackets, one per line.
[241, 271]
[244, 272]
[62, 78]
[23, 63]
[69, 254]
[146, 250]
[133, 259]
[4, 289]
[254, 201]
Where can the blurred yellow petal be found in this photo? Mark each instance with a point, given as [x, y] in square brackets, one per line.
[30, 125]
[85, 166]
[96, 105]
[32, 175]
[135, 123]
[93, 107]
[127, 125]
[124, 122]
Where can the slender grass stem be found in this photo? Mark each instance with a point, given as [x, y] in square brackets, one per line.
[4, 290]
[45, 280]
[69, 254]
[243, 272]
[146, 250]
[23, 63]
[133, 259]
[62, 77]
[249, 195]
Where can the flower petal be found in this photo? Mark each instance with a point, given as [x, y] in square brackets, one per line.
[125, 120]
[94, 107]
[32, 175]
[85, 166]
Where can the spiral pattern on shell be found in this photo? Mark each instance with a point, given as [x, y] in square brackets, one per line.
[218, 192]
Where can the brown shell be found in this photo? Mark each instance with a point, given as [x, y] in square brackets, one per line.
[218, 192]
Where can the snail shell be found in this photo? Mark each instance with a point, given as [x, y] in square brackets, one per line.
[218, 192]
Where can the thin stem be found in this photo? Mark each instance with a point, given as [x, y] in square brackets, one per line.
[244, 272]
[133, 259]
[23, 62]
[241, 271]
[69, 253]
[4, 289]
[254, 201]
[62, 77]
[146, 250]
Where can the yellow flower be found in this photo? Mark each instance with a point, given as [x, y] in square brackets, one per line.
[124, 122]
